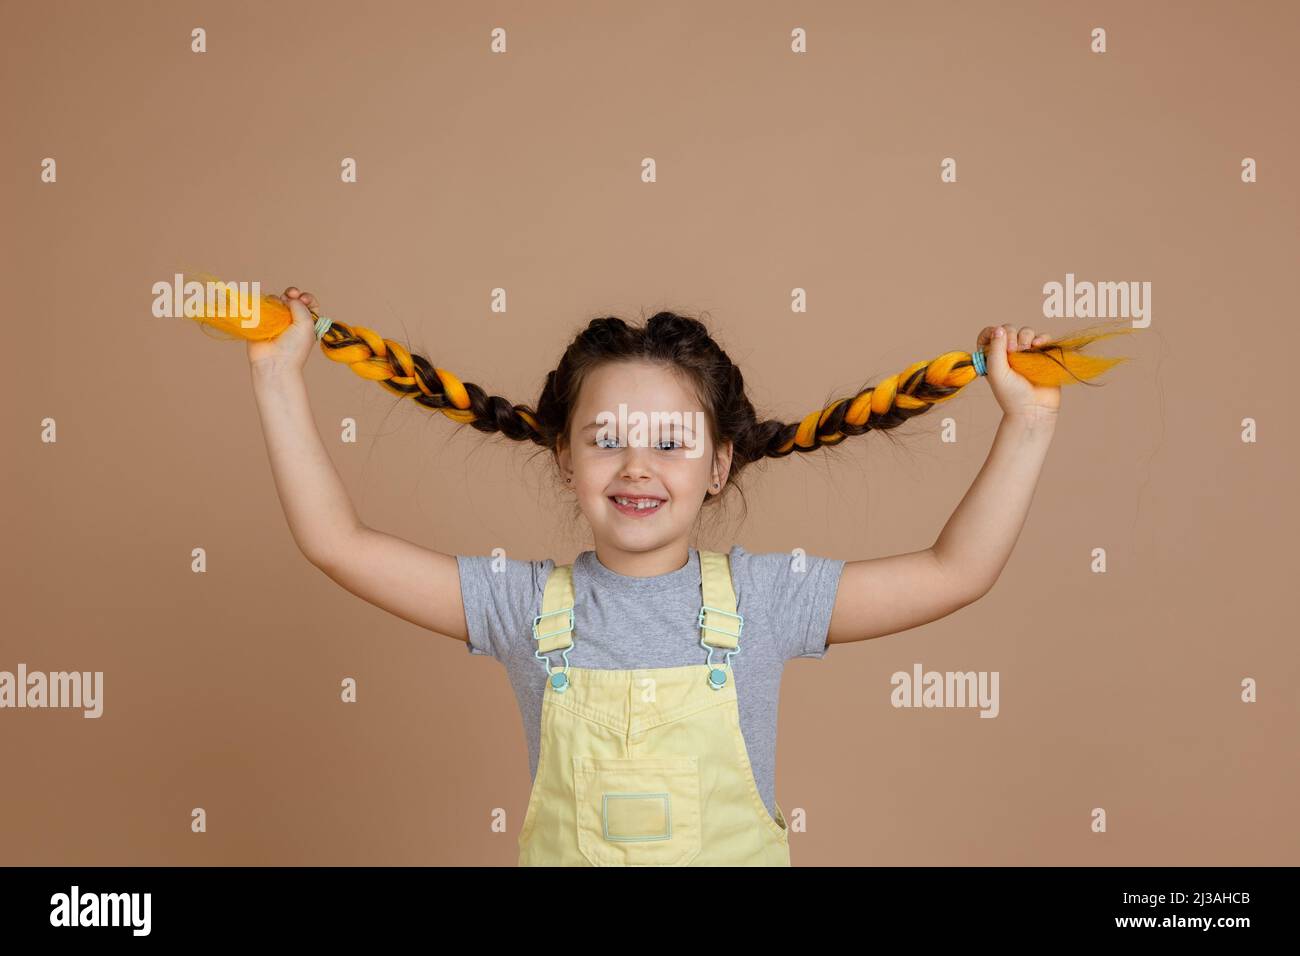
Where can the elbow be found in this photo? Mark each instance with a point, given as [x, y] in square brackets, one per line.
[969, 588]
[315, 554]
[327, 553]
[980, 587]
[971, 595]
[965, 588]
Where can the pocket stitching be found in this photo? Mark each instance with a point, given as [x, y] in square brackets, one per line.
[587, 769]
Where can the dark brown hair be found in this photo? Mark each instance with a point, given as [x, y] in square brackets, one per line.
[683, 345]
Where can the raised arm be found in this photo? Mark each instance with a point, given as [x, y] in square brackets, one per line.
[412, 582]
[891, 594]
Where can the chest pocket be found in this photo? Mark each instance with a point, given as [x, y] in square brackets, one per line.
[638, 811]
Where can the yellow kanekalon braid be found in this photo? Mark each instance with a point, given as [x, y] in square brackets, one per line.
[885, 405]
[363, 350]
[924, 384]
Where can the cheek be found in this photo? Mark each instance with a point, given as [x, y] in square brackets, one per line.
[591, 483]
[686, 476]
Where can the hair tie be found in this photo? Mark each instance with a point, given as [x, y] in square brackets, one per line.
[977, 359]
[322, 326]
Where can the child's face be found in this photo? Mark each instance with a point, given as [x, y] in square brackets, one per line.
[669, 456]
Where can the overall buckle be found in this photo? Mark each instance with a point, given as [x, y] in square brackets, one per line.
[559, 680]
[717, 675]
[720, 630]
[562, 630]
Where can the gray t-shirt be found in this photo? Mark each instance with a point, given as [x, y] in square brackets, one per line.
[626, 623]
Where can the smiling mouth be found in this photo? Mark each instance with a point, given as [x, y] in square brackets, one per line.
[636, 505]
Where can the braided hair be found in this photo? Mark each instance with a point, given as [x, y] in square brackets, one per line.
[683, 344]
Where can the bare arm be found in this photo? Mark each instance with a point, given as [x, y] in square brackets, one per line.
[316, 504]
[412, 582]
[891, 594]
[975, 544]
[887, 595]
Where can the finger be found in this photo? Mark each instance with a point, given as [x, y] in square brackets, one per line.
[291, 292]
[310, 301]
[1009, 336]
[1026, 338]
[982, 339]
[995, 356]
[300, 312]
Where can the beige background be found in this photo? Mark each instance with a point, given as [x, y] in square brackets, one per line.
[775, 171]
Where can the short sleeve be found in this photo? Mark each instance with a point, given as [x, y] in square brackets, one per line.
[501, 596]
[797, 591]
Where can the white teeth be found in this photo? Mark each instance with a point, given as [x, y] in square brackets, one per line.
[641, 504]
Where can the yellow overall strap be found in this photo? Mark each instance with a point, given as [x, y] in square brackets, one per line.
[720, 625]
[553, 628]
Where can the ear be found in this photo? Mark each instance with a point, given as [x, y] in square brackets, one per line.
[722, 463]
[563, 456]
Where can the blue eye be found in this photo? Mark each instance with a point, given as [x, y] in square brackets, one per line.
[667, 441]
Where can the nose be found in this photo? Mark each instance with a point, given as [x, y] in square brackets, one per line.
[636, 462]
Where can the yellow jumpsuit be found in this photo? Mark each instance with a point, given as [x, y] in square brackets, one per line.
[646, 767]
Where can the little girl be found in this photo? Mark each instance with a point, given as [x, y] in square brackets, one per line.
[647, 672]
